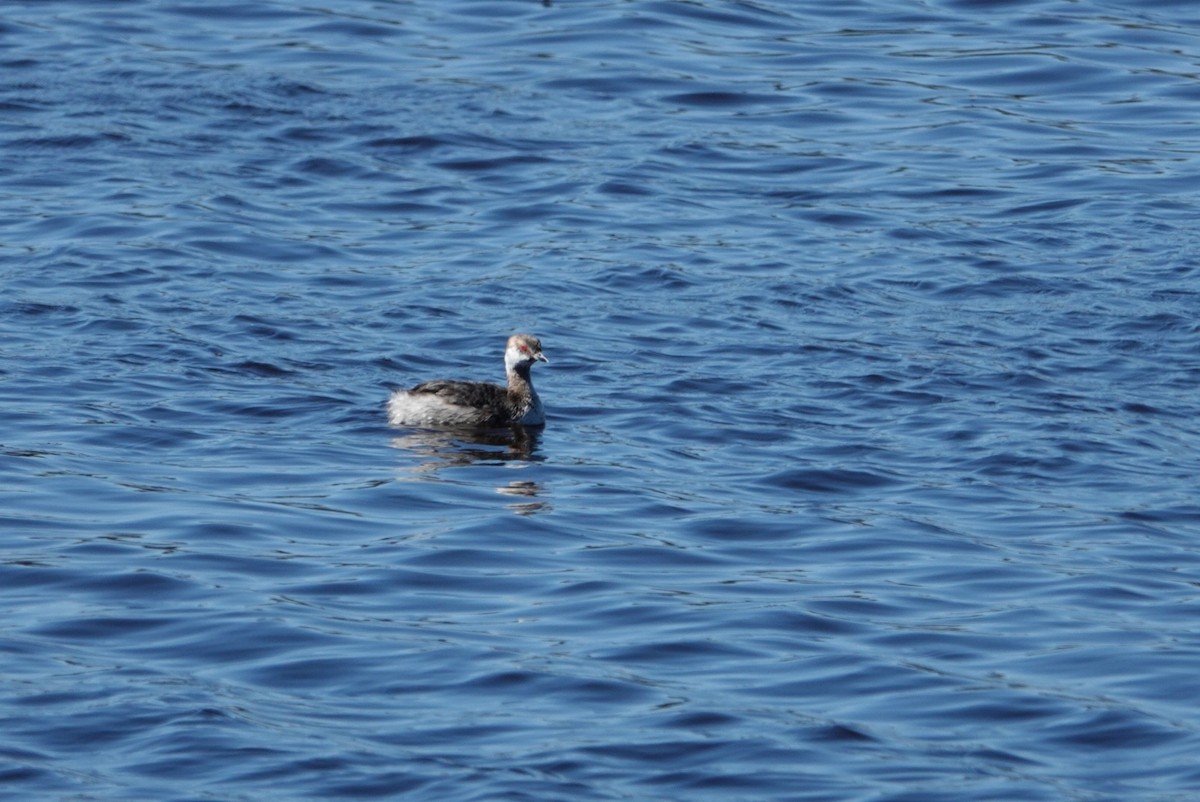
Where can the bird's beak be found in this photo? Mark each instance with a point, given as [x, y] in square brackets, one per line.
[542, 357]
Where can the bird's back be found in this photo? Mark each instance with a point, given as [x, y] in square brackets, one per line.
[451, 403]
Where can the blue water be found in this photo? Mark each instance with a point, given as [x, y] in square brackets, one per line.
[870, 467]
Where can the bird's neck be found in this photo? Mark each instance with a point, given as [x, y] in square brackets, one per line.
[519, 381]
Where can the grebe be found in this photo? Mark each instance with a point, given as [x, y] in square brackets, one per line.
[458, 403]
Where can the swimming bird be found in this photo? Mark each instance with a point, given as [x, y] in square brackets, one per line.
[477, 404]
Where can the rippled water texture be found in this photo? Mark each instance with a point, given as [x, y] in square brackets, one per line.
[870, 469]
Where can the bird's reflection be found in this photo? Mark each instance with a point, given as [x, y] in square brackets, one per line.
[440, 449]
[452, 447]
[524, 488]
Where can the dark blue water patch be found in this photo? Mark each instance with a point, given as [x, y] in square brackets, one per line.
[701, 721]
[326, 167]
[307, 674]
[619, 83]
[625, 188]
[17, 64]
[744, 530]
[258, 250]
[229, 11]
[388, 783]
[826, 481]
[401, 206]
[493, 164]
[19, 574]
[686, 654]
[1046, 206]
[800, 625]
[413, 144]
[241, 643]
[355, 29]
[33, 777]
[69, 142]
[142, 587]
[743, 16]
[1037, 78]
[87, 629]
[1112, 729]
[719, 99]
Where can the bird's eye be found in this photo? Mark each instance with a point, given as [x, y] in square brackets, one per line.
[524, 349]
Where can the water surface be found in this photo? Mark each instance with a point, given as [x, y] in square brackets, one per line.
[870, 465]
